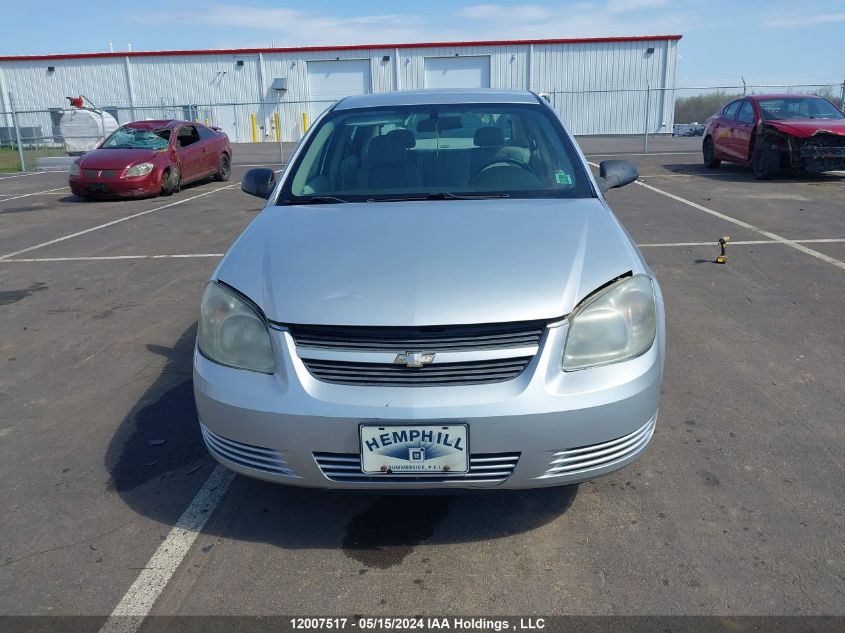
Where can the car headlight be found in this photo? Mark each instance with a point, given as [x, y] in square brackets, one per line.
[232, 332]
[618, 323]
[74, 169]
[140, 170]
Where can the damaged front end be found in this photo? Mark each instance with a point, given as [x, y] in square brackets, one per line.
[820, 152]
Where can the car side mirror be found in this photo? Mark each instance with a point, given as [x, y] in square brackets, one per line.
[259, 182]
[616, 173]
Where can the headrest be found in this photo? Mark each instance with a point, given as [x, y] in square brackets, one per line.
[406, 135]
[387, 150]
[489, 137]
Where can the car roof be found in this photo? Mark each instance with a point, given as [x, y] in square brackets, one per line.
[784, 96]
[157, 124]
[438, 97]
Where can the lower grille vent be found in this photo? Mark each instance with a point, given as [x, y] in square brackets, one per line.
[580, 460]
[483, 468]
[247, 455]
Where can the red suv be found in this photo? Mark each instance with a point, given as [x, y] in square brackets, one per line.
[777, 132]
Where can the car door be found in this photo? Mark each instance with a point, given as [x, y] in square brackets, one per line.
[213, 144]
[191, 153]
[723, 130]
[743, 130]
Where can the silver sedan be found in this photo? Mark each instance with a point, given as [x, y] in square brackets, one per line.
[436, 295]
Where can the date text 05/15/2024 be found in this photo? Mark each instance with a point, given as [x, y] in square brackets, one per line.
[419, 623]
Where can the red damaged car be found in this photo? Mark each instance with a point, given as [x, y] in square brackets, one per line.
[147, 158]
[777, 132]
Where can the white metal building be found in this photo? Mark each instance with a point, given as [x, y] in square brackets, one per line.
[613, 85]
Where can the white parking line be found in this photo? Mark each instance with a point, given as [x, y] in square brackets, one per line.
[648, 154]
[111, 258]
[113, 222]
[36, 193]
[108, 258]
[690, 175]
[745, 225]
[745, 242]
[130, 612]
[29, 173]
[118, 221]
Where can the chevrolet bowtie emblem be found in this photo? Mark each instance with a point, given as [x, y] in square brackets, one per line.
[414, 359]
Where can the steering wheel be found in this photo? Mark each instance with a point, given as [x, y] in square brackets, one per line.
[502, 160]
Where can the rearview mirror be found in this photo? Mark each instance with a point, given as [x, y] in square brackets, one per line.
[259, 182]
[616, 173]
[440, 125]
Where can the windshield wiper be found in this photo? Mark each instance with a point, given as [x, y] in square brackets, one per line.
[323, 200]
[443, 195]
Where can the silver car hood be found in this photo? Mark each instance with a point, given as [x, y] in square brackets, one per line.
[427, 263]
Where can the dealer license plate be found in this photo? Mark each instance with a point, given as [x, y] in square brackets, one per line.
[415, 450]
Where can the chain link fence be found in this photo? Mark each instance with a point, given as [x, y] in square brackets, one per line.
[31, 137]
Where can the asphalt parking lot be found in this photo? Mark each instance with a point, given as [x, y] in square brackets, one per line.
[736, 508]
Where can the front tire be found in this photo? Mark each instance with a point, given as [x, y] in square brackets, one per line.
[224, 169]
[709, 152]
[169, 181]
[765, 163]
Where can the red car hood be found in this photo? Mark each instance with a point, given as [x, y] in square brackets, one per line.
[116, 158]
[806, 128]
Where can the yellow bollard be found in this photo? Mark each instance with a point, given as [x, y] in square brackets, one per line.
[304, 122]
[276, 126]
[254, 127]
[206, 123]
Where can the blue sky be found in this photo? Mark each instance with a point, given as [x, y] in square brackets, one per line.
[764, 41]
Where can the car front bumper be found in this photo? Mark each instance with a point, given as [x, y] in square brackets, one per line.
[135, 187]
[543, 428]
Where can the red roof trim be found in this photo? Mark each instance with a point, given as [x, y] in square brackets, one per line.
[354, 47]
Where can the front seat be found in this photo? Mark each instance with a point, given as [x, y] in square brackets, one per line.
[409, 140]
[388, 166]
[405, 135]
[490, 144]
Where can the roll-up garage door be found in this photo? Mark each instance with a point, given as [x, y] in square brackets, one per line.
[457, 72]
[333, 79]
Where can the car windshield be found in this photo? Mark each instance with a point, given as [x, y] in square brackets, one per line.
[134, 138]
[787, 108]
[436, 152]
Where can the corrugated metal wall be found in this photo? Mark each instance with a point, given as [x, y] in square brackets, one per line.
[597, 87]
[603, 88]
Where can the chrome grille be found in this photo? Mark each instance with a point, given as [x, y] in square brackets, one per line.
[247, 455]
[579, 460]
[434, 375]
[483, 468]
[425, 338]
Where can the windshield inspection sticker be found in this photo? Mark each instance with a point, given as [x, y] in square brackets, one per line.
[563, 178]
